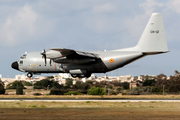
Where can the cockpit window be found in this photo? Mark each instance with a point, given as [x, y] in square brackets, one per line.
[23, 56]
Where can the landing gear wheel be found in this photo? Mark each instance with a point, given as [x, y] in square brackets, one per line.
[81, 76]
[29, 75]
[74, 75]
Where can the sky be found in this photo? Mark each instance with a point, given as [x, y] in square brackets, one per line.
[87, 25]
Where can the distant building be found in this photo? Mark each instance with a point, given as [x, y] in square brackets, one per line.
[132, 85]
[83, 80]
[62, 81]
[92, 77]
[20, 77]
[144, 77]
[74, 81]
[37, 78]
[64, 75]
[126, 78]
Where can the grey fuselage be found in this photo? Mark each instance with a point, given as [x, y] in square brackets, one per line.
[109, 60]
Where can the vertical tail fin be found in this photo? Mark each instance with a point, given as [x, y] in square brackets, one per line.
[153, 39]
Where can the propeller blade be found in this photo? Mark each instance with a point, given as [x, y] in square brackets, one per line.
[44, 56]
[45, 61]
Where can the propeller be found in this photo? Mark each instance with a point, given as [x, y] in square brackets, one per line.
[50, 61]
[44, 55]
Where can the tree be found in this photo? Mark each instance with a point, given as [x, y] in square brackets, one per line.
[13, 85]
[25, 83]
[96, 91]
[173, 84]
[119, 89]
[57, 91]
[170, 85]
[49, 77]
[161, 80]
[2, 90]
[89, 82]
[73, 92]
[43, 84]
[81, 86]
[149, 82]
[69, 82]
[141, 91]
[125, 85]
[19, 89]
[177, 73]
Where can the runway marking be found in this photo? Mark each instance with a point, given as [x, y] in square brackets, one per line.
[92, 100]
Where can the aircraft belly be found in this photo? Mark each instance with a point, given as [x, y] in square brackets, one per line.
[78, 69]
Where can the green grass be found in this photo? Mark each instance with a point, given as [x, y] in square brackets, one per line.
[90, 110]
[151, 106]
[153, 102]
[32, 106]
[42, 106]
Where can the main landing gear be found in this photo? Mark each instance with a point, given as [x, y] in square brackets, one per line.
[81, 75]
[29, 75]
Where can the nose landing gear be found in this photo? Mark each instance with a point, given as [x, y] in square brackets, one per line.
[29, 74]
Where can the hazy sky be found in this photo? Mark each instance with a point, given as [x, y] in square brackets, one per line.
[86, 25]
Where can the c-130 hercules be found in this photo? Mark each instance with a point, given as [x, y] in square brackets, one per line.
[83, 64]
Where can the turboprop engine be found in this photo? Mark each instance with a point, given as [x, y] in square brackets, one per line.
[53, 54]
[50, 55]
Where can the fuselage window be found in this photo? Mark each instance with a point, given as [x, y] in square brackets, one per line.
[21, 62]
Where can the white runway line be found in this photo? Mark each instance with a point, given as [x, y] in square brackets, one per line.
[91, 100]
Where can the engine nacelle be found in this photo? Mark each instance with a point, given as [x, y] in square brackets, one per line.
[53, 54]
[79, 73]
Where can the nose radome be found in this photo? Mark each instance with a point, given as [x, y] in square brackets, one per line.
[15, 65]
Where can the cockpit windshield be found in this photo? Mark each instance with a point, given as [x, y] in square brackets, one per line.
[23, 56]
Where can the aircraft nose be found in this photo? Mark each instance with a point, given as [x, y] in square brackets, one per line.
[15, 65]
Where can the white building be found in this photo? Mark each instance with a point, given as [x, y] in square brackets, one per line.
[92, 77]
[37, 78]
[62, 81]
[64, 75]
[126, 78]
[143, 77]
[20, 77]
[74, 81]
[83, 80]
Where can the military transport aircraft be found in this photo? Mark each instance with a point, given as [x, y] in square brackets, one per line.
[83, 64]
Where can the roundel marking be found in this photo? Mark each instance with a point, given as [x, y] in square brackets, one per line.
[111, 60]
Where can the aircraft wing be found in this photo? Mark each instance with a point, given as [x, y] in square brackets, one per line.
[69, 53]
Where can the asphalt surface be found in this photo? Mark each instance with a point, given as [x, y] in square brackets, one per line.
[91, 99]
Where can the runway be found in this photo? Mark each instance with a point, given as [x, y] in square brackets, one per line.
[87, 99]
